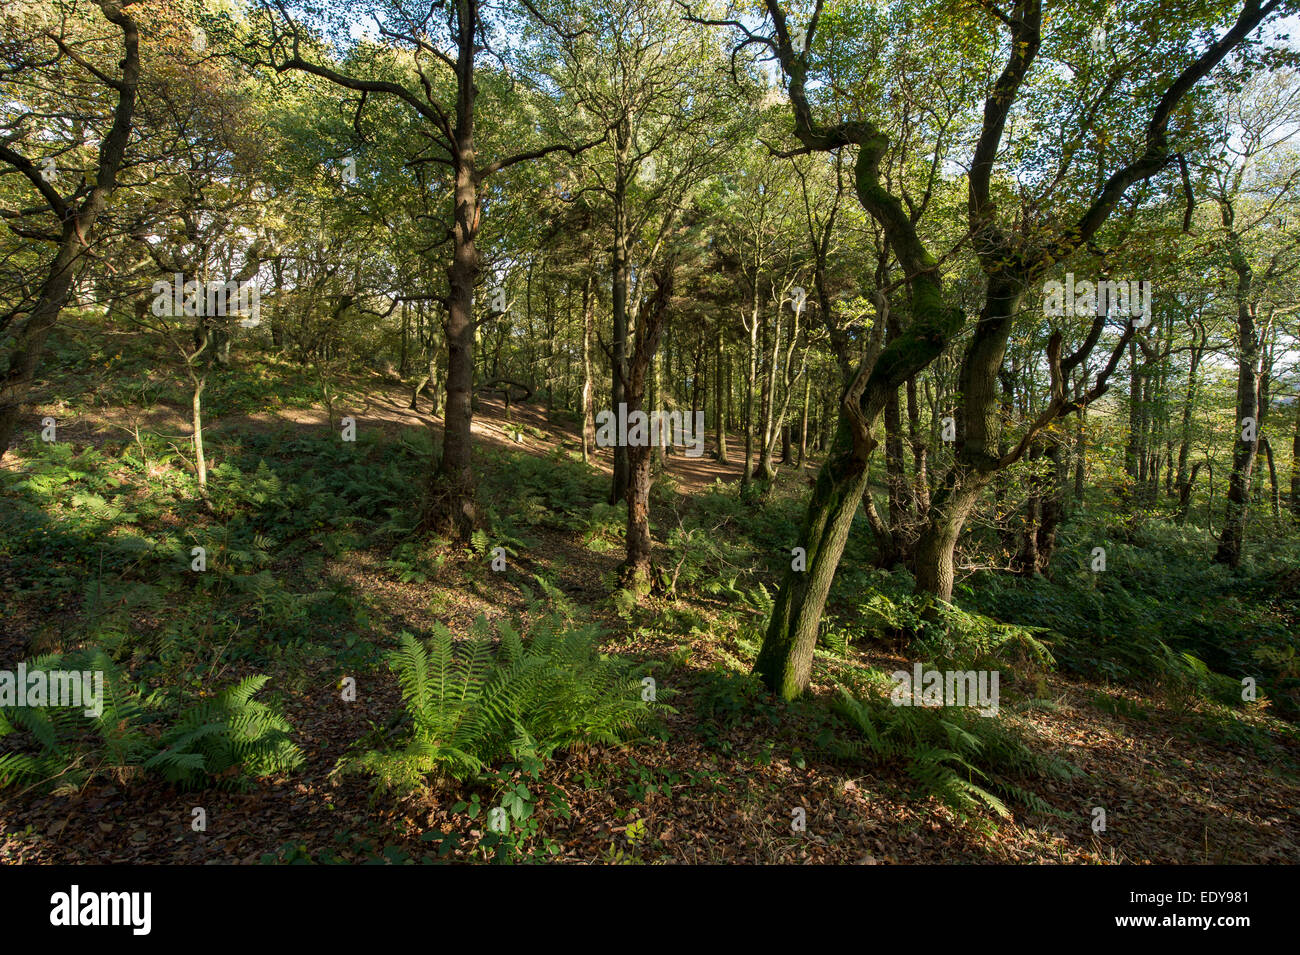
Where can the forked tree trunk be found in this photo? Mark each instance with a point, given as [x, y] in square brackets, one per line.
[785, 660]
[976, 461]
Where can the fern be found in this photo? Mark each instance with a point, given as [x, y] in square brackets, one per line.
[479, 544]
[73, 747]
[227, 738]
[959, 758]
[471, 706]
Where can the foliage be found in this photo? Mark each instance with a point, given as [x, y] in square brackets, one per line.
[232, 731]
[223, 741]
[968, 762]
[472, 706]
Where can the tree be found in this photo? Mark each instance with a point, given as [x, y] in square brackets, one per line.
[1010, 260]
[69, 200]
[420, 65]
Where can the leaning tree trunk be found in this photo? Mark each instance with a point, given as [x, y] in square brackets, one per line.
[29, 340]
[785, 660]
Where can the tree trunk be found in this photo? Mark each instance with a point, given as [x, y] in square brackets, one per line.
[769, 420]
[1081, 457]
[920, 451]
[935, 548]
[1245, 451]
[1185, 435]
[618, 396]
[1185, 494]
[723, 394]
[450, 509]
[803, 424]
[1275, 498]
[637, 571]
[196, 421]
[588, 398]
[976, 460]
[1295, 464]
[750, 374]
[785, 660]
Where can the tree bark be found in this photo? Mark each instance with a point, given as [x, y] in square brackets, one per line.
[637, 571]
[450, 509]
[588, 398]
[1245, 451]
[618, 395]
[723, 395]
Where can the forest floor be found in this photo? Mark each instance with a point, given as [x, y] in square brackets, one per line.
[720, 779]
